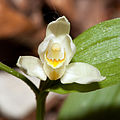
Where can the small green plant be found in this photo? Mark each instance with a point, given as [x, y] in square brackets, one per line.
[94, 57]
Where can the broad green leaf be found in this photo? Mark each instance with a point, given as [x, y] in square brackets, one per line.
[97, 105]
[98, 46]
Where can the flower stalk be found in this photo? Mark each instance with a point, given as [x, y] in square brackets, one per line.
[40, 105]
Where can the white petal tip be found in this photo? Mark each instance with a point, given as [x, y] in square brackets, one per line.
[18, 61]
[59, 27]
[81, 73]
[63, 18]
[31, 66]
[102, 78]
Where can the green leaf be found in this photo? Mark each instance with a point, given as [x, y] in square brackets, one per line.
[98, 46]
[97, 105]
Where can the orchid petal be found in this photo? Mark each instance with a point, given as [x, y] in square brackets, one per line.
[59, 27]
[43, 46]
[81, 73]
[32, 66]
[70, 48]
[54, 74]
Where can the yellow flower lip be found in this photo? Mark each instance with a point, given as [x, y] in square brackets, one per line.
[55, 62]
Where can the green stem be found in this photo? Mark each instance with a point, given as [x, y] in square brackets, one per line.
[19, 75]
[40, 101]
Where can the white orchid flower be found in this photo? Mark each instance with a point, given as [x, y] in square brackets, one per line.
[56, 52]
